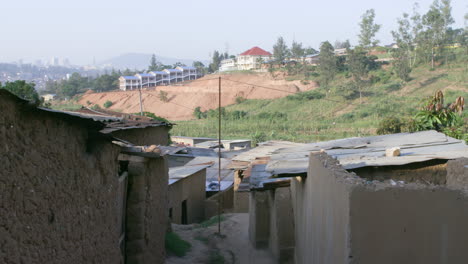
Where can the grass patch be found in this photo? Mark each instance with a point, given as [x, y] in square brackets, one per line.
[176, 245]
[216, 257]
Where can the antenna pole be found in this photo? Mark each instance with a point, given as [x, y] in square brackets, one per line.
[219, 156]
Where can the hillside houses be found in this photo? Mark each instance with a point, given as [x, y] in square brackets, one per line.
[247, 60]
[155, 78]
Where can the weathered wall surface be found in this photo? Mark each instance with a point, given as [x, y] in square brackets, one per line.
[321, 212]
[144, 136]
[406, 225]
[58, 198]
[191, 189]
[432, 171]
[146, 210]
[211, 204]
[259, 219]
[240, 198]
[457, 173]
[281, 242]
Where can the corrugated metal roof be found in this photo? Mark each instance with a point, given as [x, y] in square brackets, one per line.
[355, 153]
[158, 72]
[177, 173]
[144, 74]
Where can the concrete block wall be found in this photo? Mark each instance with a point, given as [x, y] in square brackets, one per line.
[340, 218]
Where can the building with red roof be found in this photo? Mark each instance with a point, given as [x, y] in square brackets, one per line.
[252, 58]
[248, 60]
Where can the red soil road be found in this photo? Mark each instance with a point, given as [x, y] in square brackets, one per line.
[203, 92]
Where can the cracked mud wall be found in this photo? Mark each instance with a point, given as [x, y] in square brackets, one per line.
[58, 194]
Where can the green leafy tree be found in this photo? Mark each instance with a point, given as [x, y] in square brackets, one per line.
[178, 64]
[359, 68]
[200, 67]
[216, 61]
[155, 65]
[280, 50]
[327, 65]
[23, 90]
[297, 51]
[310, 51]
[436, 22]
[342, 44]
[400, 64]
[368, 30]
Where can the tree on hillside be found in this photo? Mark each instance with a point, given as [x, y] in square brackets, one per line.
[216, 61]
[310, 51]
[155, 65]
[280, 50]
[200, 66]
[297, 51]
[23, 90]
[436, 22]
[401, 67]
[359, 68]
[342, 44]
[178, 64]
[327, 65]
[368, 30]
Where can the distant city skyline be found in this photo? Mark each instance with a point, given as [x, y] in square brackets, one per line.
[98, 30]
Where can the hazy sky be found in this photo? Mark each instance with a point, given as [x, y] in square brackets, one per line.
[81, 30]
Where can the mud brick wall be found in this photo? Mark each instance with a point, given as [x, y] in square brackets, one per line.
[144, 136]
[58, 189]
[457, 173]
[341, 218]
[147, 215]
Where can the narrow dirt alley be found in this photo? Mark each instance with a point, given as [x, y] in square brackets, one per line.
[232, 245]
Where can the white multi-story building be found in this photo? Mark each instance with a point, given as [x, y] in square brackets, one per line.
[129, 83]
[155, 78]
[248, 60]
[228, 65]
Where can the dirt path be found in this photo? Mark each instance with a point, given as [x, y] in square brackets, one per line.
[233, 245]
[184, 98]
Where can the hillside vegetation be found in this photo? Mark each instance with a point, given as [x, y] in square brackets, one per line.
[335, 112]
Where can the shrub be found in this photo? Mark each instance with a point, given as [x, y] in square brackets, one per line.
[308, 95]
[163, 96]
[108, 104]
[389, 125]
[258, 137]
[176, 245]
[240, 99]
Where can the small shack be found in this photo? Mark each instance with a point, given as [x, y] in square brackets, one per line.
[73, 194]
[187, 194]
[358, 200]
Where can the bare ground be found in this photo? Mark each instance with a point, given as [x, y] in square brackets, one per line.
[203, 92]
[233, 243]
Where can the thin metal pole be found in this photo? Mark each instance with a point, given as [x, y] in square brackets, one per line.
[219, 157]
[141, 103]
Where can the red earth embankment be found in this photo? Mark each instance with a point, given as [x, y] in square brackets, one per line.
[183, 98]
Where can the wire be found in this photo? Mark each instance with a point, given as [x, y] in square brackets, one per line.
[275, 89]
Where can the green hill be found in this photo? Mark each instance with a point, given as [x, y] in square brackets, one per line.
[336, 112]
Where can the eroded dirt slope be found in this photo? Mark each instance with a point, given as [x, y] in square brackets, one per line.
[203, 92]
